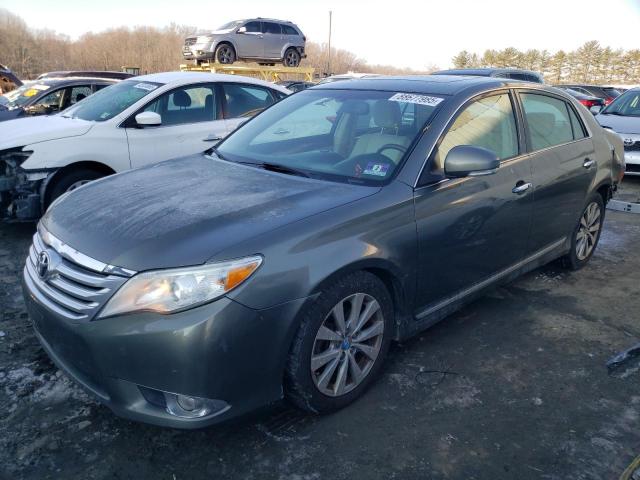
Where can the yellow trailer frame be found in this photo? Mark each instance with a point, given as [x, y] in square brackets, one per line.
[268, 73]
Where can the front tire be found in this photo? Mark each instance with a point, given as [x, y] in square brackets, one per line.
[586, 235]
[225, 54]
[291, 58]
[69, 181]
[341, 344]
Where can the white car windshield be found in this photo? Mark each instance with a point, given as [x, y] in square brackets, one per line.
[355, 136]
[111, 101]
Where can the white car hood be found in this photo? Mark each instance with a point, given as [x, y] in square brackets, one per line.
[26, 131]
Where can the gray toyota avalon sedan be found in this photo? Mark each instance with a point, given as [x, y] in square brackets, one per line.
[283, 262]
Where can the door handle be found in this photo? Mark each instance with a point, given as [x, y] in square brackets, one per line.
[211, 138]
[521, 187]
[588, 163]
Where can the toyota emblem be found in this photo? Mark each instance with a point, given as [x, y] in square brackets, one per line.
[43, 264]
[628, 142]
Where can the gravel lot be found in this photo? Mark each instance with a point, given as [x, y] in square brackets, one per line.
[514, 386]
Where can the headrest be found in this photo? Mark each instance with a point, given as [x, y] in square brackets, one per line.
[358, 107]
[181, 99]
[386, 114]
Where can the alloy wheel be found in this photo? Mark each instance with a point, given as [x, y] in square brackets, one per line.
[347, 344]
[588, 231]
[292, 59]
[225, 54]
[77, 184]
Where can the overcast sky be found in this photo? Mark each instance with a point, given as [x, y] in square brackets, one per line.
[404, 33]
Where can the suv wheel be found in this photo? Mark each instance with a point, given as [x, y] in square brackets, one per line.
[225, 54]
[341, 344]
[586, 234]
[291, 58]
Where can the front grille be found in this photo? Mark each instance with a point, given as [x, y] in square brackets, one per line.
[632, 148]
[632, 167]
[68, 289]
[190, 41]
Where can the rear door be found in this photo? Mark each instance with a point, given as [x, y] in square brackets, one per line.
[273, 39]
[563, 163]
[472, 230]
[191, 123]
[250, 44]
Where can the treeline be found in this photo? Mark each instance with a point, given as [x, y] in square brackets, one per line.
[591, 63]
[29, 52]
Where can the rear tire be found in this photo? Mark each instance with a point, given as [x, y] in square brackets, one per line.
[71, 180]
[225, 54]
[586, 234]
[291, 58]
[327, 369]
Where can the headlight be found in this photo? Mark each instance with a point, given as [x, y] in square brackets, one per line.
[168, 291]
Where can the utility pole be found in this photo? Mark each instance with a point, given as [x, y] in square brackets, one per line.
[329, 53]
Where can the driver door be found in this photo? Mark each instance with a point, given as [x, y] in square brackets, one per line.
[251, 42]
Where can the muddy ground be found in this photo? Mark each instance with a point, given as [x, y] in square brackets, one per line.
[512, 387]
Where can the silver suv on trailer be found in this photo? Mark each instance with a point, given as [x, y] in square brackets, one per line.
[259, 39]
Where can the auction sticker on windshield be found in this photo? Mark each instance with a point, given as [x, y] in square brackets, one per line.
[377, 169]
[415, 98]
[145, 86]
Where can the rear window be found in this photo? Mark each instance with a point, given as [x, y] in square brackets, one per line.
[287, 30]
[270, 27]
[548, 120]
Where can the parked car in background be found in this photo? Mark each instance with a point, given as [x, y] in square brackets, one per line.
[8, 80]
[623, 117]
[261, 40]
[586, 100]
[132, 123]
[284, 261]
[511, 73]
[295, 85]
[48, 96]
[85, 73]
[347, 76]
[608, 94]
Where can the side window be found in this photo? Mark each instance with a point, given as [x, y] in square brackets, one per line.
[576, 125]
[52, 101]
[547, 119]
[488, 123]
[270, 27]
[253, 27]
[78, 93]
[288, 30]
[189, 104]
[245, 100]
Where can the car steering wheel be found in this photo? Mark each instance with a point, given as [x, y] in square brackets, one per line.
[392, 146]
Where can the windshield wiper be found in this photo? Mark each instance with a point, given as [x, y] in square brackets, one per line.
[613, 113]
[277, 167]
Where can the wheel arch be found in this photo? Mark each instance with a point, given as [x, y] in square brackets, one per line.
[59, 173]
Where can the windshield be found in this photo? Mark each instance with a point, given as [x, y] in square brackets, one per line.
[111, 101]
[229, 25]
[22, 95]
[351, 136]
[627, 104]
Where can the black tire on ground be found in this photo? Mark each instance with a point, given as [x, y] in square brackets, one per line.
[300, 388]
[70, 181]
[225, 54]
[577, 258]
[291, 58]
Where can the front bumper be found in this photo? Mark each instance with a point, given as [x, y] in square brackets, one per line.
[21, 193]
[632, 159]
[197, 52]
[222, 351]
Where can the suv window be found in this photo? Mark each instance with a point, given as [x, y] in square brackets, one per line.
[288, 30]
[52, 101]
[253, 27]
[488, 123]
[79, 93]
[576, 124]
[548, 120]
[245, 100]
[270, 27]
[189, 104]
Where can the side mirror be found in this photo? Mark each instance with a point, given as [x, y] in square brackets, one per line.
[148, 119]
[242, 30]
[596, 109]
[469, 160]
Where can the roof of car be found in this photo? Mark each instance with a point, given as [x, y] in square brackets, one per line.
[183, 78]
[58, 81]
[483, 71]
[440, 84]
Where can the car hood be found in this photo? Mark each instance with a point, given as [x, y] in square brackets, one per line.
[26, 131]
[620, 124]
[184, 211]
